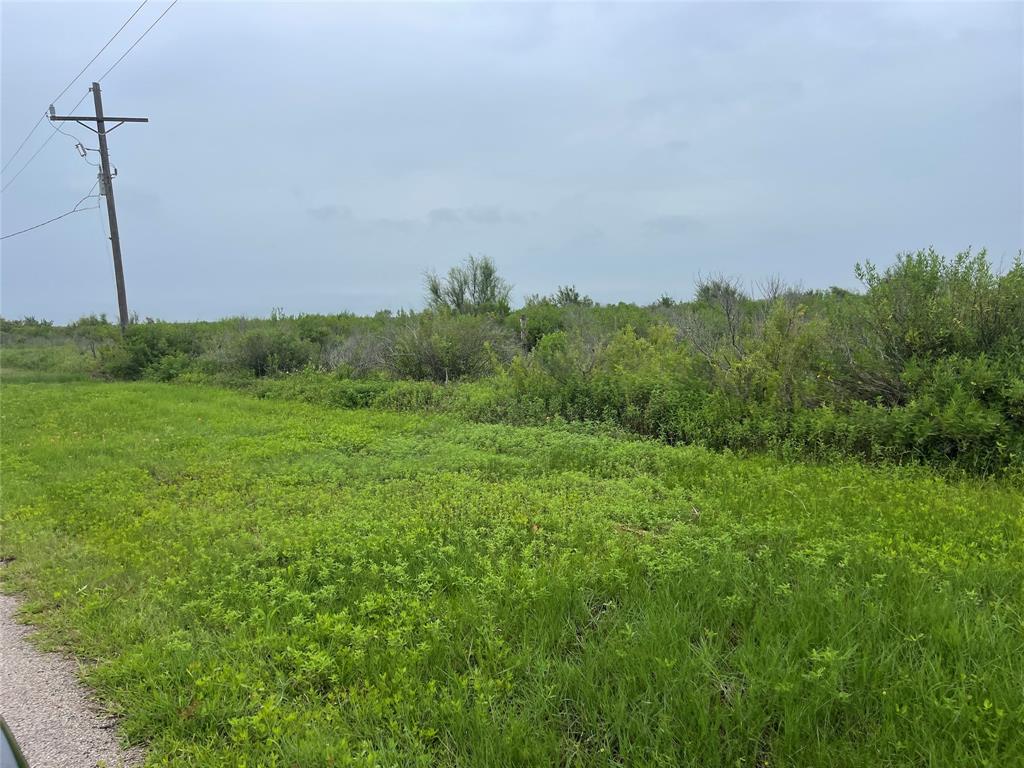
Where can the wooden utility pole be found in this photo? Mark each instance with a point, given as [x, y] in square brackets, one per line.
[106, 181]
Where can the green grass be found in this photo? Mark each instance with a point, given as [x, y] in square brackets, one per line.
[265, 583]
[55, 363]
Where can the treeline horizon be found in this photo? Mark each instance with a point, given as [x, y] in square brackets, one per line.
[925, 364]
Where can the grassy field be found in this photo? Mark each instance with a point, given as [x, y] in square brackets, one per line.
[264, 583]
[52, 363]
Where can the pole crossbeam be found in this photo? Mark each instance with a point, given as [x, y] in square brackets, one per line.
[106, 179]
[92, 118]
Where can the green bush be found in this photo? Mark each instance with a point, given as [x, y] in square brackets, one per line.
[923, 308]
[539, 318]
[94, 332]
[170, 367]
[143, 346]
[442, 347]
[310, 386]
[265, 351]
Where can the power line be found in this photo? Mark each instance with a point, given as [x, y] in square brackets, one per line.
[76, 209]
[50, 221]
[29, 162]
[100, 78]
[84, 153]
[68, 86]
[40, 149]
[101, 50]
[23, 142]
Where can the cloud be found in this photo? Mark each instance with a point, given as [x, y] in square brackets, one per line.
[329, 212]
[570, 142]
[391, 224]
[444, 216]
[487, 215]
[484, 214]
[675, 224]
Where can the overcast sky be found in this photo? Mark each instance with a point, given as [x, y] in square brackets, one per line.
[320, 157]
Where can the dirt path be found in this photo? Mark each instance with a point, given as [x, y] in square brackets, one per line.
[48, 709]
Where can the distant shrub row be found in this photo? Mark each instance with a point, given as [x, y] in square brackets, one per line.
[925, 365]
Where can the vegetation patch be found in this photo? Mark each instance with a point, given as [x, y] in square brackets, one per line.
[259, 582]
[924, 366]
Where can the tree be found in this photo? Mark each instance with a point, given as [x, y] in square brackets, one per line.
[726, 296]
[568, 296]
[92, 332]
[474, 288]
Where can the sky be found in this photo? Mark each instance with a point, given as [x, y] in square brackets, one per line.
[321, 157]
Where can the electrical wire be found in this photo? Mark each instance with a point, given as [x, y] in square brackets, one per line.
[101, 50]
[78, 143]
[76, 209]
[99, 79]
[73, 81]
[137, 41]
[56, 130]
[40, 149]
[26, 165]
[23, 142]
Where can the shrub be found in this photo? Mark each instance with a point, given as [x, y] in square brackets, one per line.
[568, 296]
[440, 346]
[358, 355]
[926, 307]
[310, 386]
[265, 351]
[144, 345]
[474, 288]
[170, 367]
[535, 320]
[93, 332]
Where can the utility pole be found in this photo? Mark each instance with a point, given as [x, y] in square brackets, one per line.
[107, 185]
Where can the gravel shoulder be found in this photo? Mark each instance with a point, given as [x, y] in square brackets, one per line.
[51, 713]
